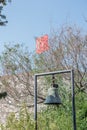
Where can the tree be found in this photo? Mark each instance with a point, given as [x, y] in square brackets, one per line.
[3, 20]
[4, 2]
[68, 50]
[16, 68]
[17, 78]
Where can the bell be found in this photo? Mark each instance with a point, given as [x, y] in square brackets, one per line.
[53, 97]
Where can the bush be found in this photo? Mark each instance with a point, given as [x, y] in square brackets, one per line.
[22, 122]
[52, 118]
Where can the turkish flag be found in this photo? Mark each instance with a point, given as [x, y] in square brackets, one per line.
[42, 44]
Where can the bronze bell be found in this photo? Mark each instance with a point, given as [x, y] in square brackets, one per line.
[53, 97]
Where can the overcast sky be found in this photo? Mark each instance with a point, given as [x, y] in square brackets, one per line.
[28, 19]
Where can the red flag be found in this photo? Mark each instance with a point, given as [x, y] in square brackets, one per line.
[42, 44]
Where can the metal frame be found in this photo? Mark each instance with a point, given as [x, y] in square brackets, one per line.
[73, 94]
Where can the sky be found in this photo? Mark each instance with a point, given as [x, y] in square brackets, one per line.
[28, 19]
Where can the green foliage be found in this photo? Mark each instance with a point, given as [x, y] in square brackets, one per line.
[51, 118]
[81, 108]
[22, 122]
[55, 118]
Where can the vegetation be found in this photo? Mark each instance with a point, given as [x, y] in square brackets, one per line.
[17, 67]
[68, 50]
[3, 20]
[51, 118]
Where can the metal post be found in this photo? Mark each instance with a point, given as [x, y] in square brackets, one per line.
[35, 102]
[73, 100]
[73, 94]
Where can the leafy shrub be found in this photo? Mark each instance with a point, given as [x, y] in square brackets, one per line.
[52, 118]
[22, 122]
